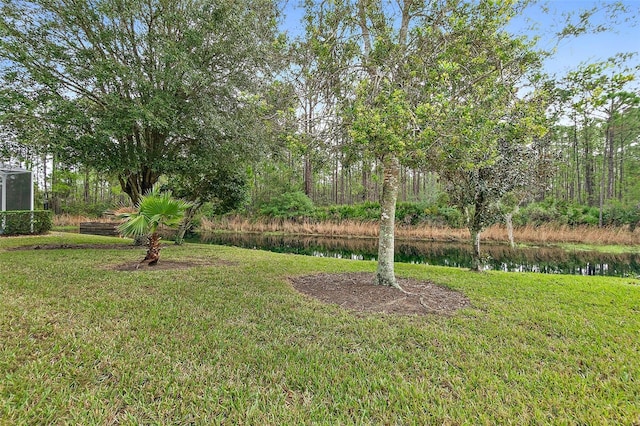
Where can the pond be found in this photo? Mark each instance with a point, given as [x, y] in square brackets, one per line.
[550, 260]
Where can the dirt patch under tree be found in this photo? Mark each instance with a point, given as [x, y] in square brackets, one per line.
[357, 292]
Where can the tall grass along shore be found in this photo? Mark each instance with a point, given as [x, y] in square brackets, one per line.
[543, 234]
[540, 234]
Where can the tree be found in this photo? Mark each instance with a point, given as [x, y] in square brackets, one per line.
[480, 121]
[224, 187]
[138, 81]
[153, 210]
[482, 192]
[384, 127]
[416, 62]
[381, 113]
[627, 130]
[596, 97]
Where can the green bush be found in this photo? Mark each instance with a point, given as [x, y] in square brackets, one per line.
[25, 222]
[290, 205]
[592, 216]
[407, 213]
[452, 216]
[76, 208]
[430, 214]
[561, 213]
[411, 213]
[363, 211]
[617, 214]
[537, 215]
[296, 206]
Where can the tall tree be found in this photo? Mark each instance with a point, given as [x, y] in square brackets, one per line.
[382, 122]
[383, 125]
[595, 97]
[431, 59]
[484, 114]
[140, 79]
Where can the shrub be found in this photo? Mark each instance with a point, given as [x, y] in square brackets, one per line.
[407, 213]
[591, 216]
[80, 208]
[25, 222]
[537, 214]
[289, 205]
[452, 216]
[411, 213]
[617, 214]
[561, 213]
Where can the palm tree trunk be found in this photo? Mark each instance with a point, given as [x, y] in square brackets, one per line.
[153, 251]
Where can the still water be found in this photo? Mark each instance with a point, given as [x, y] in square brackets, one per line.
[496, 257]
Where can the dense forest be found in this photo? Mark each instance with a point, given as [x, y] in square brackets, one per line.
[220, 103]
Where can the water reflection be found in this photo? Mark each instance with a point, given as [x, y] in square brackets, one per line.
[496, 257]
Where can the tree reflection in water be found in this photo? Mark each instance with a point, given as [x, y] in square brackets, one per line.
[496, 257]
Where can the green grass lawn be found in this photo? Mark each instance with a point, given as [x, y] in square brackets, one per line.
[615, 249]
[230, 341]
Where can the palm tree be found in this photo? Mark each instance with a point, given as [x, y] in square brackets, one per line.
[154, 209]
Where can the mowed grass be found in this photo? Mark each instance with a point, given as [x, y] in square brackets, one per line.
[231, 342]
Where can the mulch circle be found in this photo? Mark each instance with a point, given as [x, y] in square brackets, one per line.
[357, 292]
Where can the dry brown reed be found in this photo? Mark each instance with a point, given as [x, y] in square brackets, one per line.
[546, 234]
[75, 220]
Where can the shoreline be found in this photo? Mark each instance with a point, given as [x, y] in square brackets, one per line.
[530, 235]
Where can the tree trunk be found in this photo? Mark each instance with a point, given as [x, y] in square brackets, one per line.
[403, 182]
[46, 188]
[86, 187]
[308, 176]
[476, 264]
[365, 181]
[185, 224]
[385, 274]
[577, 178]
[602, 194]
[621, 172]
[610, 151]
[135, 185]
[589, 169]
[153, 250]
[508, 218]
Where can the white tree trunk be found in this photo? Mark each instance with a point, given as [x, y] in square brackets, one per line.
[508, 218]
[385, 274]
[476, 263]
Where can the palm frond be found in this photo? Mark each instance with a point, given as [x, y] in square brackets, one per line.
[136, 225]
[154, 209]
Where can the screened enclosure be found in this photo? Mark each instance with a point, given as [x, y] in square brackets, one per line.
[16, 188]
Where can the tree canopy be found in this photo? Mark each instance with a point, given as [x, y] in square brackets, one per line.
[133, 85]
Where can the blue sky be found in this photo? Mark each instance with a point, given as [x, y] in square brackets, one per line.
[624, 37]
